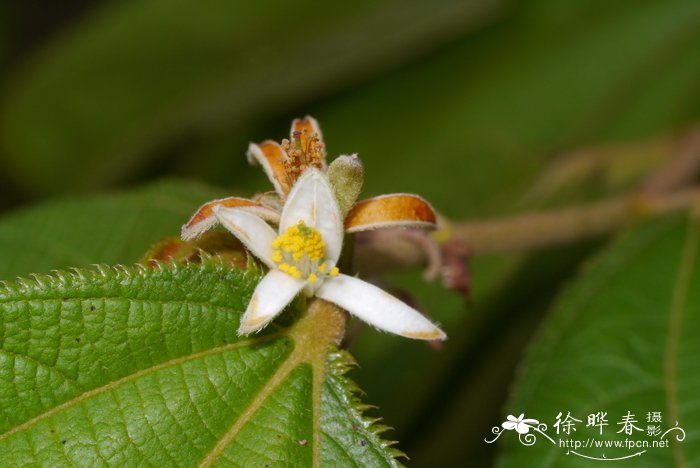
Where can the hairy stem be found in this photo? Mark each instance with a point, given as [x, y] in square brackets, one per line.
[547, 228]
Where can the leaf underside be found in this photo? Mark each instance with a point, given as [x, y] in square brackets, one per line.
[141, 365]
[622, 338]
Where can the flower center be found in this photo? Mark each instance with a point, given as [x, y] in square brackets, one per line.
[305, 150]
[300, 252]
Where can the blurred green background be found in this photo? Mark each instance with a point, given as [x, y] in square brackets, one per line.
[117, 119]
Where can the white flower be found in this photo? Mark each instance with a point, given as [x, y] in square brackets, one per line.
[302, 257]
[522, 426]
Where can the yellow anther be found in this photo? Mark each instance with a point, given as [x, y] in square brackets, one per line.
[300, 240]
[312, 278]
[322, 267]
[299, 247]
[334, 271]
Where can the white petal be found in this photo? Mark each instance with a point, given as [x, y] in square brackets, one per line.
[312, 200]
[271, 296]
[510, 417]
[200, 222]
[531, 422]
[522, 428]
[508, 425]
[252, 231]
[378, 308]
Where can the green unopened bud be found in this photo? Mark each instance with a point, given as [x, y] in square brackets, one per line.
[346, 176]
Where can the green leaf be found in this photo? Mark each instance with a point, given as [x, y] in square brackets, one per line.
[143, 366]
[622, 338]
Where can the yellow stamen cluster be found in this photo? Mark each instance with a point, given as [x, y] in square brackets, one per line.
[304, 151]
[298, 252]
[299, 240]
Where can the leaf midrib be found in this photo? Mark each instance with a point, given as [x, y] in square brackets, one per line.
[321, 325]
[678, 304]
[290, 363]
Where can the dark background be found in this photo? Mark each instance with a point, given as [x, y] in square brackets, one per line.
[484, 107]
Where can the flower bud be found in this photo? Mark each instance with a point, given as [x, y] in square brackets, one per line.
[346, 176]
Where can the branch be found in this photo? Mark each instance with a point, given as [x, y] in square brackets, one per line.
[683, 166]
[542, 229]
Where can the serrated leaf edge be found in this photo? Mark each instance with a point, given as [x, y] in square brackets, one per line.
[339, 363]
[71, 276]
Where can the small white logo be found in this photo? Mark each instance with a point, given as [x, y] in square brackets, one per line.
[590, 438]
[520, 424]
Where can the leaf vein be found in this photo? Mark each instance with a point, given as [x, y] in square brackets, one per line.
[49, 368]
[131, 377]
